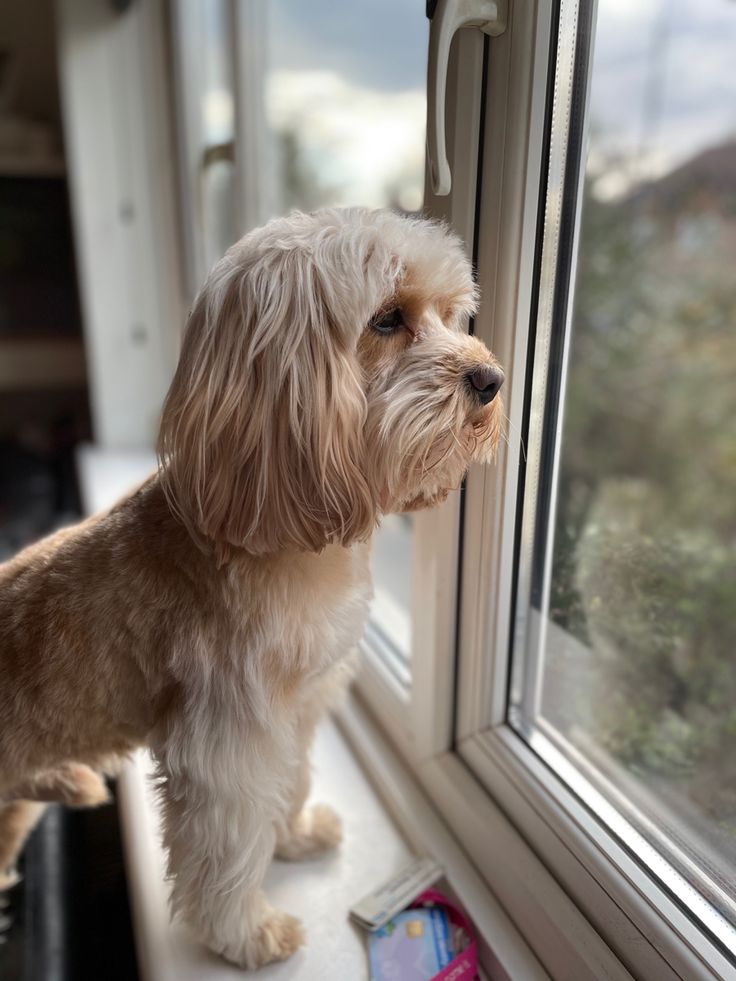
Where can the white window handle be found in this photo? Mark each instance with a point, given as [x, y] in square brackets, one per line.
[449, 16]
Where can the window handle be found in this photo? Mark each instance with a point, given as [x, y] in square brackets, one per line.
[446, 18]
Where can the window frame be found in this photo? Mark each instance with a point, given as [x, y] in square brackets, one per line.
[415, 707]
[582, 902]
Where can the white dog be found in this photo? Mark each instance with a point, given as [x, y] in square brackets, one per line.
[325, 380]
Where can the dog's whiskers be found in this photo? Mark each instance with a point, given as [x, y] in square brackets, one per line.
[521, 440]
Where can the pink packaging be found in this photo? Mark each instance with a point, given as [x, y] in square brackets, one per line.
[465, 965]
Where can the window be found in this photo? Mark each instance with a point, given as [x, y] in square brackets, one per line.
[205, 102]
[345, 116]
[285, 105]
[551, 650]
[572, 719]
[623, 649]
[342, 86]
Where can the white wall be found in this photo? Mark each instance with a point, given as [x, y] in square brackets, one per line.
[119, 142]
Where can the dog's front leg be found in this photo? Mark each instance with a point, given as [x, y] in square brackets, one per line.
[303, 832]
[221, 798]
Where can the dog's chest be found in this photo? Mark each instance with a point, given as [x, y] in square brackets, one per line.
[310, 613]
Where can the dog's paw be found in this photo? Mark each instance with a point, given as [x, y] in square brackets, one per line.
[316, 829]
[273, 936]
[81, 786]
[324, 827]
[279, 936]
[73, 784]
[8, 879]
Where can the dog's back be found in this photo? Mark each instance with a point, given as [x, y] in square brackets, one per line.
[83, 617]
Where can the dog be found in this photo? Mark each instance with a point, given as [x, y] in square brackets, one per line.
[325, 380]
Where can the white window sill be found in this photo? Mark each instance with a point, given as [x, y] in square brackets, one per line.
[319, 891]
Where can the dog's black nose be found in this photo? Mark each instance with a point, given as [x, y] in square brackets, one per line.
[486, 382]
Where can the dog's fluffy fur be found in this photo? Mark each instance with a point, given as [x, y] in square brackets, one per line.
[212, 614]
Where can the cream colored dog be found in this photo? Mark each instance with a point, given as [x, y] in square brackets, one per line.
[325, 380]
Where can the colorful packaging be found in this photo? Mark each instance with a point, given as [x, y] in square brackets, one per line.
[414, 946]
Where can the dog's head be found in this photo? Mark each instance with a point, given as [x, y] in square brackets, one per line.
[325, 379]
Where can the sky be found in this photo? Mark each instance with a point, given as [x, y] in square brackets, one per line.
[664, 83]
[348, 76]
[376, 44]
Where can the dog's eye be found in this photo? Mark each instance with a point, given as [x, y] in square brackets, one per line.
[388, 323]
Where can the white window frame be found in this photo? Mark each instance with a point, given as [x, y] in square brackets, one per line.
[121, 162]
[584, 905]
[247, 151]
[411, 702]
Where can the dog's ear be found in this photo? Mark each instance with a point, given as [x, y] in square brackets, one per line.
[261, 441]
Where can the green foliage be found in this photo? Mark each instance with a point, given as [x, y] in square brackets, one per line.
[645, 533]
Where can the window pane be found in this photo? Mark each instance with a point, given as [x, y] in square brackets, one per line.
[217, 128]
[346, 109]
[345, 103]
[633, 612]
[390, 629]
[202, 36]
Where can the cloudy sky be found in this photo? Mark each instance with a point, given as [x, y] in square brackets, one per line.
[664, 80]
[376, 44]
[349, 77]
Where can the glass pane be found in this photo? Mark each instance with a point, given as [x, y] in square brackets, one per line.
[217, 114]
[206, 101]
[345, 108]
[634, 607]
[346, 104]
